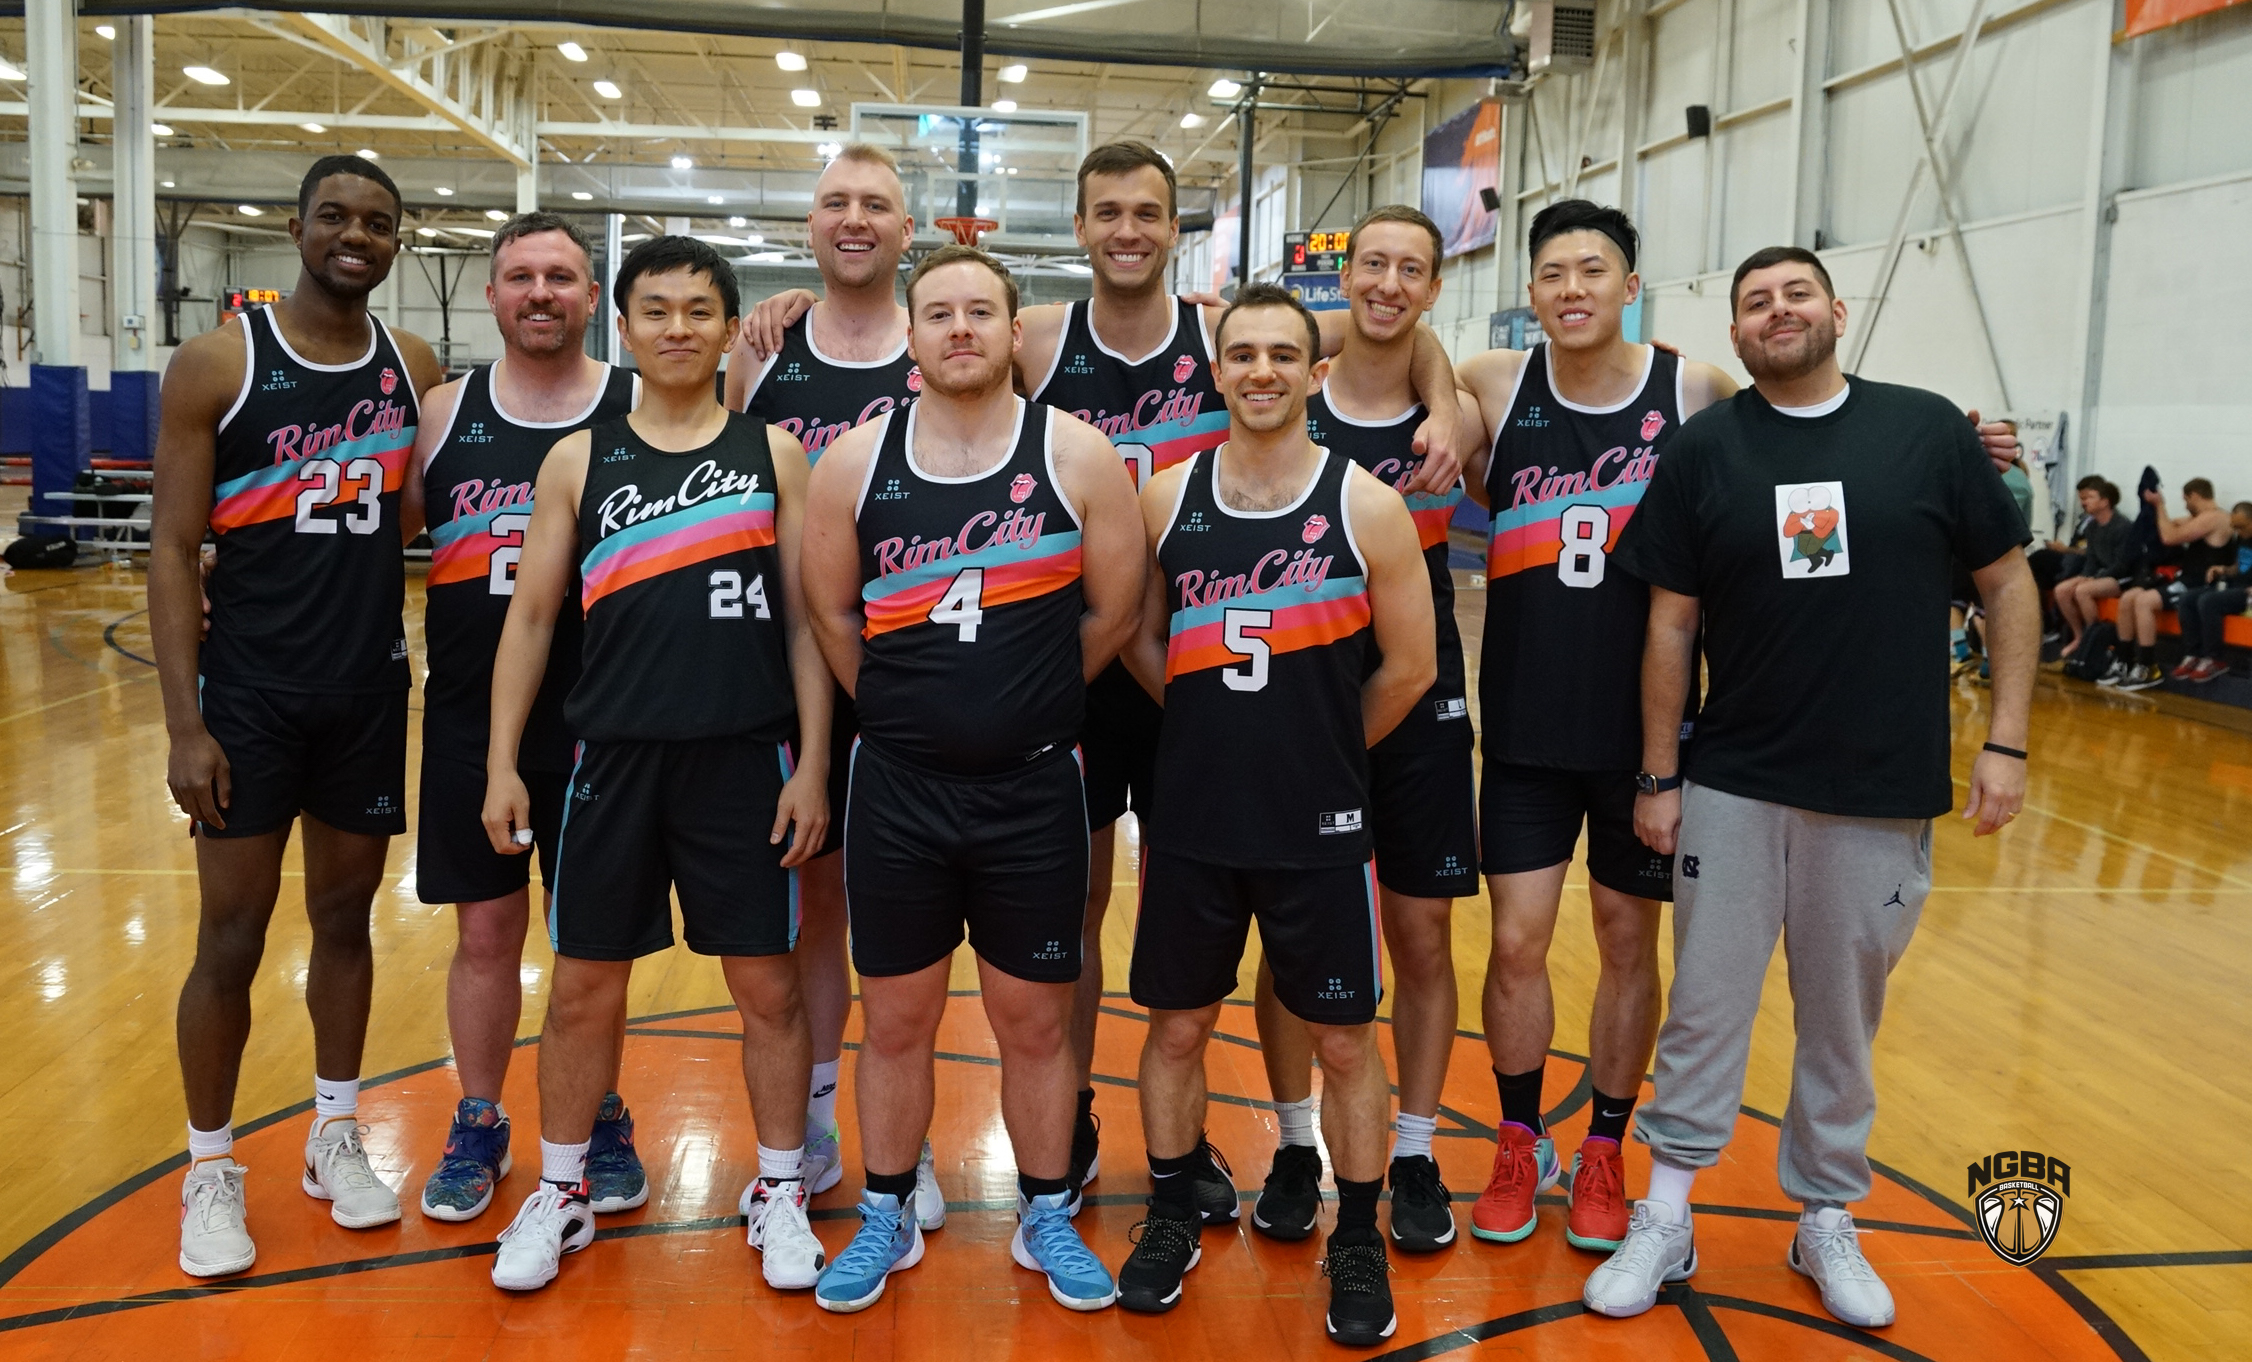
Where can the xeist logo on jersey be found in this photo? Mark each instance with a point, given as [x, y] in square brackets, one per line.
[1079, 366]
[793, 372]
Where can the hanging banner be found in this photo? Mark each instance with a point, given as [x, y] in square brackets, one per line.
[1460, 157]
[2148, 16]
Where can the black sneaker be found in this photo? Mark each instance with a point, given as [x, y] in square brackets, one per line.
[1217, 1201]
[1291, 1199]
[1086, 1158]
[1422, 1212]
[1165, 1248]
[1360, 1294]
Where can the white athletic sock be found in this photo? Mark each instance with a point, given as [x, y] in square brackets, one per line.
[1669, 1187]
[1823, 1217]
[781, 1165]
[563, 1164]
[821, 1107]
[1296, 1120]
[1411, 1136]
[334, 1097]
[210, 1144]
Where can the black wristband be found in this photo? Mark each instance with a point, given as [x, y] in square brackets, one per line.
[2004, 751]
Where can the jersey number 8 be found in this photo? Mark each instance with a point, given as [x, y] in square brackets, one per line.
[729, 595]
[327, 476]
[1586, 531]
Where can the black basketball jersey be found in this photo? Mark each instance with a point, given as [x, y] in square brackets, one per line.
[1158, 410]
[306, 469]
[477, 492]
[1560, 679]
[682, 587]
[1263, 761]
[1441, 719]
[971, 590]
[817, 398]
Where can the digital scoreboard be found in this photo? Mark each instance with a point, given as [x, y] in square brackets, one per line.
[1314, 252]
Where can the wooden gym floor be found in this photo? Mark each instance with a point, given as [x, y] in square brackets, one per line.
[2077, 988]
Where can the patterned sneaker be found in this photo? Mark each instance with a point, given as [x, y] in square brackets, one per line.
[1422, 1209]
[930, 1203]
[2115, 674]
[790, 1258]
[1360, 1294]
[1598, 1218]
[1524, 1167]
[1046, 1243]
[337, 1171]
[553, 1221]
[1217, 1201]
[1828, 1249]
[1290, 1201]
[824, 1164]
[614, 1177]
[214, 1235]
[1165, 1248]
[476, 1159]
[1086, 1156]
[1657, 1250]
[2142, 678]
[888, 1241]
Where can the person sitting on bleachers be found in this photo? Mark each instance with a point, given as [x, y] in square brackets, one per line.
[2106, 544]
[2206, 608]
[2203, 537]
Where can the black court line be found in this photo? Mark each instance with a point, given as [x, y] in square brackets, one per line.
[2095, 1316]
[2083, 1262]
[109, 636]
[1818, 1323]
[1696, 1310]
[1475, 1334]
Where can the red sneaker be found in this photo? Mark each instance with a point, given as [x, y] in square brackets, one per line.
[1524, 1167]
[2186, 668]
[2210, 669]
[1599, 1206]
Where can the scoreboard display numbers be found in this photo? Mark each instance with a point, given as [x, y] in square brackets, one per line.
[1314, 252]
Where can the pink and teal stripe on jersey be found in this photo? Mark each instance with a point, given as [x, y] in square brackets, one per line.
[677, 539]
[1298, 618]
[462, 549]
[1012, 573]
[1433, 514]
[271, 493]
[1531, 535]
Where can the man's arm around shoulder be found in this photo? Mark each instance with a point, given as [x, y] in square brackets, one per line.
[1113, 552]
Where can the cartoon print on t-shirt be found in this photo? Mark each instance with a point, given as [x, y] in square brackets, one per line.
[1812, 539]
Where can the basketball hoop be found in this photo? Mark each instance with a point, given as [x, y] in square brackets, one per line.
[967, 230]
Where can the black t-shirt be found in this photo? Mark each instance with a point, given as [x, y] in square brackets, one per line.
[1821, 549]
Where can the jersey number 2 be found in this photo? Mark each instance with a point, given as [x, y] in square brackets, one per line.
[1232, 636]
[729, 595]
[326, 477]
[500, 578]
[1586, 531]
[963, 605]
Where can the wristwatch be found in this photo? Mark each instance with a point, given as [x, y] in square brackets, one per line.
[1645, 783]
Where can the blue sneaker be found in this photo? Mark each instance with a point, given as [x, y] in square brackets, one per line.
[614, 1178]
[888, 1241]
[476, 1159]
[1047, 1243]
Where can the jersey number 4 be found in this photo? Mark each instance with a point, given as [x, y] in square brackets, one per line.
[326, 477]
[963, 605]
[729, 596]
[1586, 531]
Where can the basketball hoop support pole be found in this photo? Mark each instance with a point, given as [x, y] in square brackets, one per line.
[973, 96]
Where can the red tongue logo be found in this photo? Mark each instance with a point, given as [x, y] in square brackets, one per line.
[1316, 527]
[1020, 490]
[915, 379]
[390, 380]
[1183, 367]
[1652, 424]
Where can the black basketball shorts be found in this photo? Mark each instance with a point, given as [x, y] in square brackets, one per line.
[1319, 929]
[929, 858]
[1119, 744]
[643, 819]
[339, 758]
[1529, 819]
[1425, 807]
[454, 861]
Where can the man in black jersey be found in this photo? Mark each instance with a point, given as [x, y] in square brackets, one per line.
[1284, 571]
[1135, 362]
[698, 664]
[842, 364]
[286, 434]
[970, 560]
[1422, 799]
[476, 461]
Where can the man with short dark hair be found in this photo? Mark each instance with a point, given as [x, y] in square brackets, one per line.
[477, 460]
[286, 434]
[698, 664]
[2203, 538]
[1288, 628]
[969, 560]
[1811, 524]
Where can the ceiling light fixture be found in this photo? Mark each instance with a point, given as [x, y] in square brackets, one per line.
[445, 193]
[1223, 88]
[8, 71]
[806, 99]
[367, 154]
[161, 129]
[682, 163]
[1012, 74]
[426, 231]
[790, 61]
[714, 198]
[608, 89]
[829, 150]
[205, 75]
[108, 32]
[1190, 120]
[582, 196]
[1004, 106]
[738, 222]
[571, 51]
[495, 215]
[249, 212]
[167, 184]
[312, 127]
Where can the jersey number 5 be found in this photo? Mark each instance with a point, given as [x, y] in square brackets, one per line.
[326, 477]
[963, 605]
[729, 595]
[1232, 635]
[1586, 531]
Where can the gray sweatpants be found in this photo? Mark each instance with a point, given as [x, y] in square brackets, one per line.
[1844, 893]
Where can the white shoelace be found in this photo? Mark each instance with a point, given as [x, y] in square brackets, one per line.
[208, 1195]
[539, 1213]
[1645, 1241]
[347, 1158]
[1839, 1248]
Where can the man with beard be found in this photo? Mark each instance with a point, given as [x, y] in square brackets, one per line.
[287, 434]
[1821, 752]
[969, 561]
[840, 365]
[476, 463]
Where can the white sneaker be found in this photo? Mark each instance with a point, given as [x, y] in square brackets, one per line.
[824, 1162]
[337, 1171]
[550, 1224]
[930, 1203]
[1657, 1250]
[2114, 675]
[1828, 1249]
[214, 1239]
[790, 1257]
